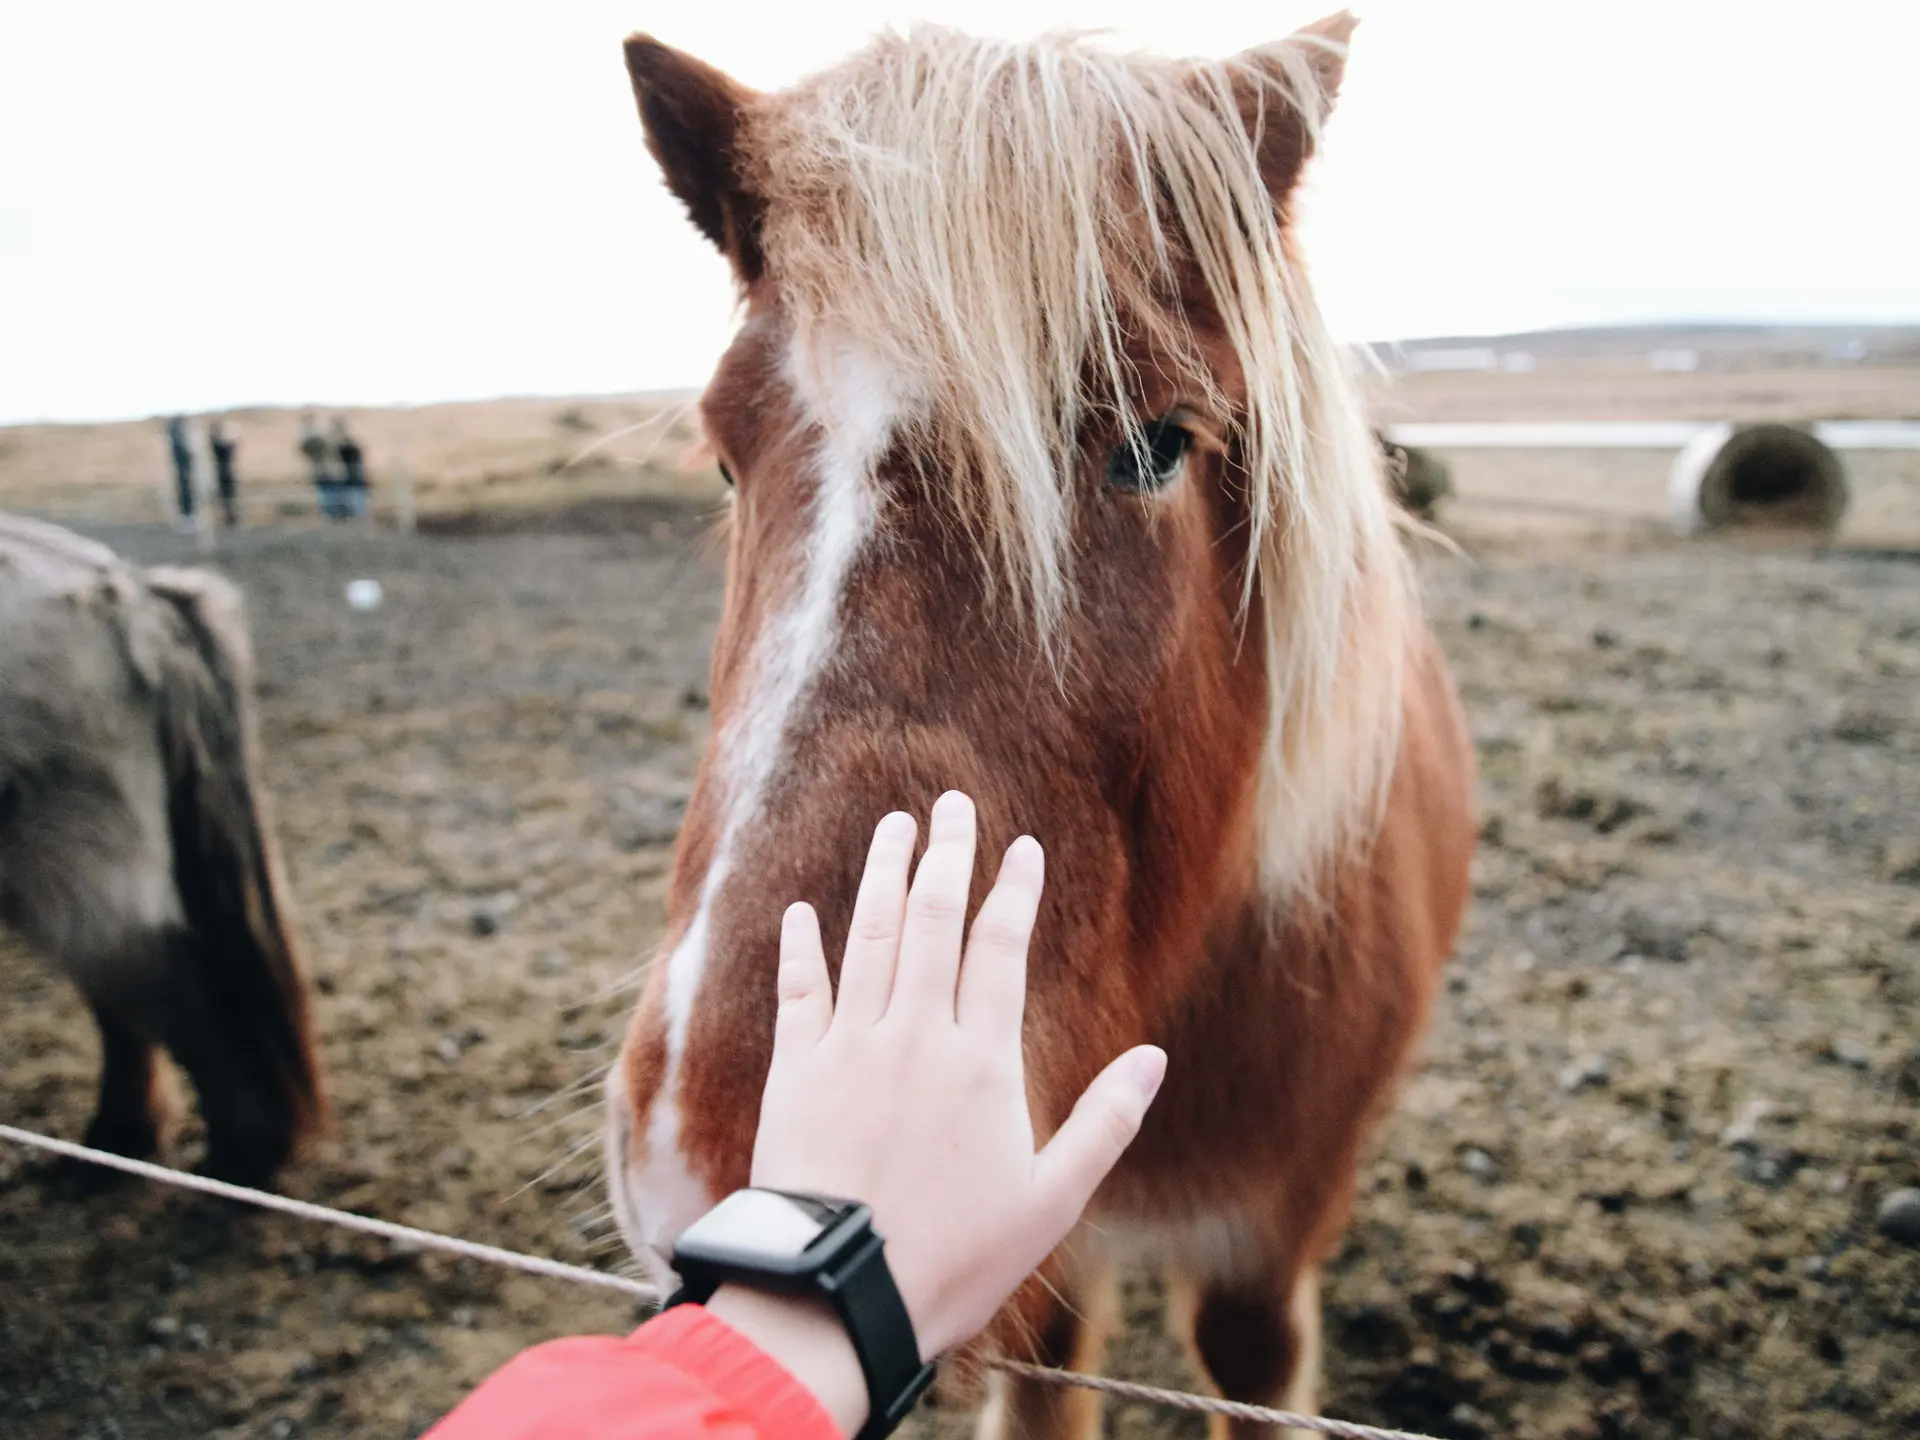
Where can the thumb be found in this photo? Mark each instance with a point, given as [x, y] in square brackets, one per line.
[1102, 1125]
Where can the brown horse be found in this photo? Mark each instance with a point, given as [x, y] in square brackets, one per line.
[132, 849]
[1053, 487]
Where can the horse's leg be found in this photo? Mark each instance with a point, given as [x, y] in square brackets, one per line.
[1072, 1335]
[250, 1129]
[1260, 1343]
[127, 1120]
[1258, 1337]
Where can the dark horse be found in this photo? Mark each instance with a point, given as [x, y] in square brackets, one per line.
[133, 853]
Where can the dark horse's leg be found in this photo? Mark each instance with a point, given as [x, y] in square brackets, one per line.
[170, 997]
[127, 1121]
[250, 1124]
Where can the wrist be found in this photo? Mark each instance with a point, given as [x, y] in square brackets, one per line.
[804, 1337]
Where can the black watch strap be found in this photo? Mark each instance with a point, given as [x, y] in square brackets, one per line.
[862, 1291]
[859, 1286]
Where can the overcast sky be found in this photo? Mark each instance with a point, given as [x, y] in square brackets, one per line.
[206, 204]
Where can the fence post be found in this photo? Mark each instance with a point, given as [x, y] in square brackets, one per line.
[206, 534]
[402, 496]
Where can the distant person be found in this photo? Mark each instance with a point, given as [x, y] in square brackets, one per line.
[319, 452]
[180, 443]
[353, 471]
[222, 442]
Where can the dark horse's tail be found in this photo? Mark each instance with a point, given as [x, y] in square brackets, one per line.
[258, 1072]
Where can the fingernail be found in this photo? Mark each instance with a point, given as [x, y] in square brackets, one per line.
[1147, 1069]
[1024, 853]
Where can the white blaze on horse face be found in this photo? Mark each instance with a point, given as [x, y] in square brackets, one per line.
[856, 408]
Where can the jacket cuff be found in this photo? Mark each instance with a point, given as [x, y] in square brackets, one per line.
[762, 1390]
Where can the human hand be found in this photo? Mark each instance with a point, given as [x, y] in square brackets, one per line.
[909, 1092]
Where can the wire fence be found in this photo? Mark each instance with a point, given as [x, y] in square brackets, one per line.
[387, 502]
[408, 1238]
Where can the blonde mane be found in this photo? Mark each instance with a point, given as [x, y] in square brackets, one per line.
[994, 222]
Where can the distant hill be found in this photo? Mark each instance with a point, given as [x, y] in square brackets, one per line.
[1676, 346]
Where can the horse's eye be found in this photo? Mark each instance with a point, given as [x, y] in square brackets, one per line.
[1151, 458]
[725, 473]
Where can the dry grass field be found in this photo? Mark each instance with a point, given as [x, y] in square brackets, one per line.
[519, 455]
[1622, 390]
[1567, 492]
[492, 456]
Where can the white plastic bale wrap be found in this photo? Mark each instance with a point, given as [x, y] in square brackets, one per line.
[1772, 475]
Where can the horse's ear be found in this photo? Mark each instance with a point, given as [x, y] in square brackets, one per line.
[1323, 45]
[1286, 92]
[695, 117]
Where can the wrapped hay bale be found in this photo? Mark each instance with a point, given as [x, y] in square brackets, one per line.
[1773, 476]
[1420, 479]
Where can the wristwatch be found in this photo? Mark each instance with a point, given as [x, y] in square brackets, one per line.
[793, 1244]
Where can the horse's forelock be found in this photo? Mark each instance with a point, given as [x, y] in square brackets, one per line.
[1002, 226]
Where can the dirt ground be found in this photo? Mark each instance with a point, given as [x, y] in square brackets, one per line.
[1630, 1191]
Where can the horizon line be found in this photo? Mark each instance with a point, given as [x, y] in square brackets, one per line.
[693, 388]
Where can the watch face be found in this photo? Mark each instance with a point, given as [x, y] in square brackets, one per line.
[761, 1225]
